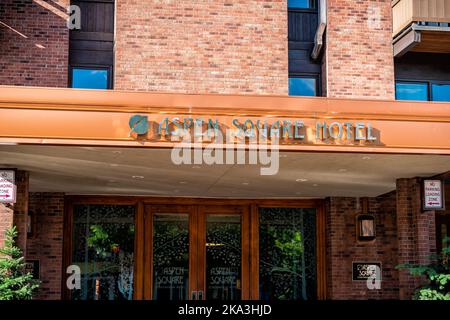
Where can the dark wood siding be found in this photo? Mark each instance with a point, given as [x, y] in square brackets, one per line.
[96, 16]
[423, 66]
[93, 44]
[302, 26]
[300, 58]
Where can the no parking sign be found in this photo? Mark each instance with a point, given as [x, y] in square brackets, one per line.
[7, 186]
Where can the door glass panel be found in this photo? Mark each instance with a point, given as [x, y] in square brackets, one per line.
[223, 257]
[170, 256]
[103, 248]
[287, 251]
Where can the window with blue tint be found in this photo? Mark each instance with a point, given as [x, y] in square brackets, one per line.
[440, 92]
[411, 91]
[89, 78]
[301, 4]
[302, 86]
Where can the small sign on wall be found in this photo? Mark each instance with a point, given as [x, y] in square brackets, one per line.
[32, 266]
[7, 186]
[365, 270]
[433, 195]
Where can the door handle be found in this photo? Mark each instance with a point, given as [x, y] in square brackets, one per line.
[194, 295]
[200, 295]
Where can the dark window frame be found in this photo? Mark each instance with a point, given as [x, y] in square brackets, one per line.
[428, 82]
[316, 76]
[109, 69]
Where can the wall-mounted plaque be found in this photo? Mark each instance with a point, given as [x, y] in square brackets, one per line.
[364, 270]
[32, 266]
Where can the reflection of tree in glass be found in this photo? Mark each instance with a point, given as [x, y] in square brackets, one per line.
[109, 239]
[287, 253]
[103, 247]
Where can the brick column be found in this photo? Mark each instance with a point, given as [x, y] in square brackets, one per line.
[359, 56]
[235, 47]
[6, 220]
[16, 214]
[46, 245]
[34, 41]
[343, 247]
[416, 233]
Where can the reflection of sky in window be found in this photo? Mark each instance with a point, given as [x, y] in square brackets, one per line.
[441, 92]
[302, 86]
[411, 91]
[89, 78]
[298, 3]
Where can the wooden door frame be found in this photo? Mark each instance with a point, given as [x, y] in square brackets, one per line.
[251, 206]
[243, 211]
[319, 205]
[152, 209]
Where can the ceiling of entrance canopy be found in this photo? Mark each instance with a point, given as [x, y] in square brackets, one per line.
[139, 171]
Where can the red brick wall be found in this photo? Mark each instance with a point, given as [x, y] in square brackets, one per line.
[204, 46]
[34, 43]
[6, 220]
[360, 61]
[47, 243]
[416, 233]
[343, 248]
[16, 214]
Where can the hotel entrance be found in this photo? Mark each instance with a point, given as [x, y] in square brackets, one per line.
[197, 252]
[196, 249]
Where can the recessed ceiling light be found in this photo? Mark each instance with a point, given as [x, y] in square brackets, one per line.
[183, 182]
[113, 164]
[301, 180]
[245, 183]
[315, 185]
[342, 170]
[366, 158]
[138, 177]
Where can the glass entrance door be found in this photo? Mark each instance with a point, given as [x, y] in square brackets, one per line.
[196, 252]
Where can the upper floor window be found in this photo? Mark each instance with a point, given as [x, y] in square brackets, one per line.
[90, 78]
[303, 86]
[433, 24]
[422, 90]
[440, 91]
[411, 91]
[302, 4]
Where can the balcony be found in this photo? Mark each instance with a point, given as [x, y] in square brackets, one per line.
[421, 26]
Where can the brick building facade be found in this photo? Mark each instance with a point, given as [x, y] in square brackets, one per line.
[35, 43]
[218, 47]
